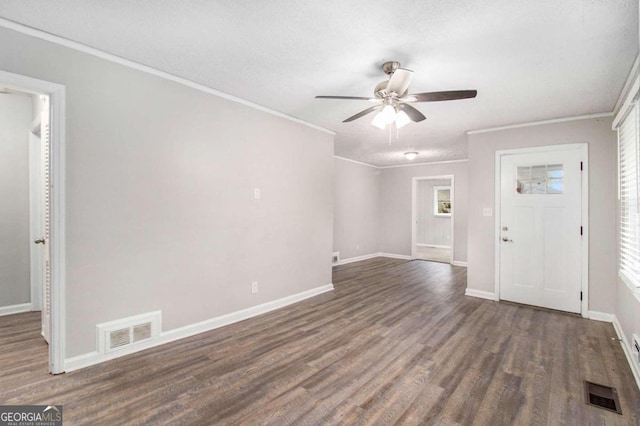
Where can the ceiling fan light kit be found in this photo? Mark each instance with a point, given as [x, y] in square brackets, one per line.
[402, 119]
[392, 98]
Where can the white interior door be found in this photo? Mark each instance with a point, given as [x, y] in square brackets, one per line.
[45, 202]
[36, 222]
[540, 231]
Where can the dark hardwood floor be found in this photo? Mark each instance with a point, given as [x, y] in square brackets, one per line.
[396, 342]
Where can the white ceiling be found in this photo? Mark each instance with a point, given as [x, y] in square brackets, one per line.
[529, 59]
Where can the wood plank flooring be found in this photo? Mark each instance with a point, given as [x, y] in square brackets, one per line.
[397, 342]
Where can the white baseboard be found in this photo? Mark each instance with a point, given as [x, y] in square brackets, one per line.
[371, 256]
[626, 348]
[15, 309]
[459, 263]
[395, 256]
[600, 316]
[92, 358]
[480, 294]
[356, 259]
[432, 246]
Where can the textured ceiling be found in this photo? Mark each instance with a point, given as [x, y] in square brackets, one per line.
[529, 60]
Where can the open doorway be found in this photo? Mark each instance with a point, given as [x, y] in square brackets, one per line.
[24, 204]
[433, 216]
[32, 207]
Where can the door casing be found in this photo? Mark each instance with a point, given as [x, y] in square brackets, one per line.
[414, 211]
[584, 255]
[56, 93]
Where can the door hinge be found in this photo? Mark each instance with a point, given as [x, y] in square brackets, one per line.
[581, 166]
[580, 295]
[581, 230]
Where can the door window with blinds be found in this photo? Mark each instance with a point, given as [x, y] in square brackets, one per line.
[628, 150]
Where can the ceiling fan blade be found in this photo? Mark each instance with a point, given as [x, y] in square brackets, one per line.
[413, 113]
[361, 114]
[400, 81]
[451, 95]
[358, 98]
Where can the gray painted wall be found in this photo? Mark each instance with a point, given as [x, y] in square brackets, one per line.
[356, 210]
[395, 206]
[602, 199]
[15, 121]
[160, 208]
[431, 229]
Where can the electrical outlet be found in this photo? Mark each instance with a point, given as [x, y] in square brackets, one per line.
[254, 287]
[357, 247]
[256, 193]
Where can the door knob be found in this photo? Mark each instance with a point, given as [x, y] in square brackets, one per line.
[39, 241]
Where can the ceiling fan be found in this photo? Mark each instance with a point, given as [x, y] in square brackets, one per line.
[393, 101]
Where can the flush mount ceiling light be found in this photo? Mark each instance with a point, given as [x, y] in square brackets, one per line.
[411, 155]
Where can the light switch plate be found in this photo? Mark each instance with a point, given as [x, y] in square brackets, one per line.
[487, 211]
[256, 193]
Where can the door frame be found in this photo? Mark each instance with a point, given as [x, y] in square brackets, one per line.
[56, 93]
[414, 211]
[584, 254]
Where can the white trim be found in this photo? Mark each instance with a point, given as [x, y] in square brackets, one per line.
[355, 162]
[626, 348]
[459, 263]
[628, 103]
[584, 147]
[56, 93]
[464, 160]
[356, 259]
[600, 316]
[425, 164]
[541, 122]
[15, 309]
[480, 294]
[33, 32]
[432, 245]
[395, 256]
[414, 211]
[92, 358]
[627, 84]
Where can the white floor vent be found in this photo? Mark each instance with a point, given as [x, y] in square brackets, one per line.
[125, 332]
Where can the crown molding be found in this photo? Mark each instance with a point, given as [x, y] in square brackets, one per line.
[355, 162]
[542, 122]
[61, 41]
[631, 78]
[464, 160]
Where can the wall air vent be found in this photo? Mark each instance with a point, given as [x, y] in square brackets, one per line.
[142, 332]
[119, 338]
[127, 332]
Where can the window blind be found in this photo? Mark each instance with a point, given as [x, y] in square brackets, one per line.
[629, 164]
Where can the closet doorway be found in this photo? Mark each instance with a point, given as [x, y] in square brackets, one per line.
[433, 216]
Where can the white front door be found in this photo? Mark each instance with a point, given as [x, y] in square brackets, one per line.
[540, 231]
